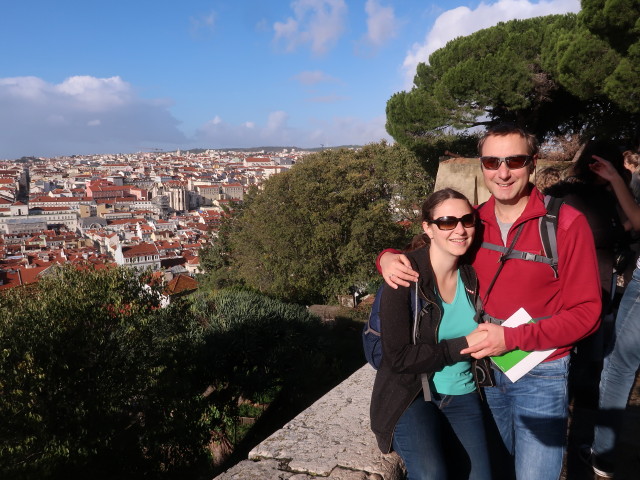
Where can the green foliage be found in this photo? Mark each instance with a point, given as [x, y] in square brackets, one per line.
[617, 21]
[262, 350]
[97, 381]
[315, 230]
[555, 75]
[215, 256]
[89, 371]
[623, 85]
[255, 343]
[424, 135]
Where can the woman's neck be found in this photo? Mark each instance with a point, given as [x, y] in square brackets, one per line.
[445, 269]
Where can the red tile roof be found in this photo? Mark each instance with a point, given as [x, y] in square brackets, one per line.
[142, 249]
[180, 284]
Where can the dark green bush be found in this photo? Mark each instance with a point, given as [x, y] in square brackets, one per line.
[94, 377]
[98, 381]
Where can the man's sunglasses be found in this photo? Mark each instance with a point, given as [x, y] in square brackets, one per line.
[513, 162]
[449, 223]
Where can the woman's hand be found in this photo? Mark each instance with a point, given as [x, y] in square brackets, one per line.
[475, 337]
[396, 270]
[492, 345]
[604, 169]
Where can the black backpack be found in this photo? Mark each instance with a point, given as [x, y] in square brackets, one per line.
[548, 226]
[371, 331]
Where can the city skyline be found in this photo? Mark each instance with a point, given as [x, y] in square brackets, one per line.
[84, 78]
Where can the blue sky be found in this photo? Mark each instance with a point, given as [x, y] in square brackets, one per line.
[82, 77]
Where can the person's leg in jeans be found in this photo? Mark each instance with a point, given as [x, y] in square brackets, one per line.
[501, 405]
[500, 427]
[465, 416]
[541, 410]
[531, 415]
[417, 439]
[619, 371]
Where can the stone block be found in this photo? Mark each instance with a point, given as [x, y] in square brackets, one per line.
[330, 439]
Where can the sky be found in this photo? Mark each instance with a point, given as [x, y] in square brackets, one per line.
[83, 77]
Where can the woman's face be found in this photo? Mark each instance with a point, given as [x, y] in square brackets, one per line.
[450, 242]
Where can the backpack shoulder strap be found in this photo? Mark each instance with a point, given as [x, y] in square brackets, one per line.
[416, 302]
[549, 228]
[417, 305]
[375, 313]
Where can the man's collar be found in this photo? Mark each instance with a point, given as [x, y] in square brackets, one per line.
[534, 207]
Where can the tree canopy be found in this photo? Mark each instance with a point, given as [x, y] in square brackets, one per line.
[554, 75]
[89, 371]
[97, 381]
[315, 230]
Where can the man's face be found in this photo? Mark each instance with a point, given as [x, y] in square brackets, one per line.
[507, 186]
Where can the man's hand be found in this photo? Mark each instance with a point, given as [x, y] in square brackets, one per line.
[396, 270]
[475, 337]
[491, 346]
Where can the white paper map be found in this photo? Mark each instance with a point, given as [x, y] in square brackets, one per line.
[517, 363]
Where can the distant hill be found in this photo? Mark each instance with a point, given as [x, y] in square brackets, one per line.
[270, 149]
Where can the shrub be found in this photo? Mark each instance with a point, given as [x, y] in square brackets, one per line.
[94, 377]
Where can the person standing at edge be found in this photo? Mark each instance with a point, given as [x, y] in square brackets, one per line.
[531, 414]
[425, 403]
[623, 357]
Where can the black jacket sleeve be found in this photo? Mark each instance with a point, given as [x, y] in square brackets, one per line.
[398, 351]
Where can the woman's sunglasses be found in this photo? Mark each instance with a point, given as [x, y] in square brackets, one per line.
[449, 223]
[513, 162]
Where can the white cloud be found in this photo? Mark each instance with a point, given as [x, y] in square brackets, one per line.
[463, 21]
[218, 133]
[316, 22]
[85, 115]
[381, 23]
[313, 77]
[80, 115]
[221, 134]
[205, 22]
[94, 93]
[56, 121]
[277, 132]
[348, 131]
[27, 88]
[277, 121]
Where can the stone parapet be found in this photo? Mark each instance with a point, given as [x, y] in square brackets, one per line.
[331, 439]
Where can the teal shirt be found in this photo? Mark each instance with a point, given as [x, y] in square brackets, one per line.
[457, 321]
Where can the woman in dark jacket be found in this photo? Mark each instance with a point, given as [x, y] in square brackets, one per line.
[591, 195]
[425, 404]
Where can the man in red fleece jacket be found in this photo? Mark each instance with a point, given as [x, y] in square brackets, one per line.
[531, 414]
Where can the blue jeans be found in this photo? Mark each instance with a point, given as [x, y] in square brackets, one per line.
[443, 439]
[619, 371]
[531, 416]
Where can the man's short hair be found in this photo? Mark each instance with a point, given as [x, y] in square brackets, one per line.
[504, 129]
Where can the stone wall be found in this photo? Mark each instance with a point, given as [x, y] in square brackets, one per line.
[331, 439]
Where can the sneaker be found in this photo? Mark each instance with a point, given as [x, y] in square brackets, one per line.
[600, 467]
